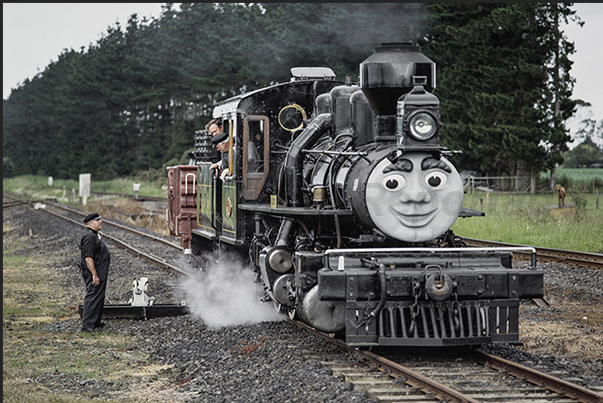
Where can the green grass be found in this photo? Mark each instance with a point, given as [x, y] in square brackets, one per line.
[14, 392]
[525, 219]
[36, 187]
[38, 365]
[572, 178]
[126, 186]
[581, 173]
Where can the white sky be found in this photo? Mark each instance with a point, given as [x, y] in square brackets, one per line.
[34, 34]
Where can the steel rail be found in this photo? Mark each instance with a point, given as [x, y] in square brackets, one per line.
[446, 393]
[12, 204]
[441, 391]
[154, 238]
[594, 260]
[124, 245]
[140, 198]
[538, 378]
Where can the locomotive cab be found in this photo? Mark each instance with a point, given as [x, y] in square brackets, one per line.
[260, 127]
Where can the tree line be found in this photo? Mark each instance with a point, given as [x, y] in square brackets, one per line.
[131, 101]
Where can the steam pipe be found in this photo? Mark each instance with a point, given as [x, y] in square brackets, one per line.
[293, 163]
[331, 185]
[284, 232]
[383, 283]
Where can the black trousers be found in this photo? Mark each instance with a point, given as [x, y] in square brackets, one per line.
[93, 301]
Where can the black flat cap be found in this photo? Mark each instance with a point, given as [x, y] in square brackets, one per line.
[218, 138]
[93, 216]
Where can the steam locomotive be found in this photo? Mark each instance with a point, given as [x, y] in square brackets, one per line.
[342, 199]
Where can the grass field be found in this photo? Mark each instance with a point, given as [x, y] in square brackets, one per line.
[534, 220]
[572, 178]
[37, 187]
[33, 359]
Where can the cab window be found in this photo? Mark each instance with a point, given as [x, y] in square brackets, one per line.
[255, 155]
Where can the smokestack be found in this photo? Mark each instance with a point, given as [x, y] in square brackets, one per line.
[387, 74]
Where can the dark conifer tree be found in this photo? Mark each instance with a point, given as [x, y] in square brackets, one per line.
[132, 101]
[496, 67]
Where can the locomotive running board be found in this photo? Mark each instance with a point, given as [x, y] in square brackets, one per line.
[127, 311]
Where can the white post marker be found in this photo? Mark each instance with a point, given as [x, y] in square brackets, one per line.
[84, 187]
[136, 187]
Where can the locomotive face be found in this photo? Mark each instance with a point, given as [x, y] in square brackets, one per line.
[416, 199]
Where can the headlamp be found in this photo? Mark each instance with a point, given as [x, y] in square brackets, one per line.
[418, 119]
[422, 126]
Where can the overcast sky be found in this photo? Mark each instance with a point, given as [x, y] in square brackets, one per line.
[34, 34]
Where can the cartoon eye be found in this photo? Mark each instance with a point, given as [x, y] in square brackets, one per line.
[436, 180]
[394, 182]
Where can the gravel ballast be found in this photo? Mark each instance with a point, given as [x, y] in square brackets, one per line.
[204, 358]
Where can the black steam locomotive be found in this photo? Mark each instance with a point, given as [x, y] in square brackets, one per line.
[343, 199]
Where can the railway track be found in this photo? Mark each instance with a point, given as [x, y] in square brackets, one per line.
[478, 378]
[472, 378]
[9, 201]
[116, 225]
[139, 198]
[123, 236]
[573, 258]
[12, 204]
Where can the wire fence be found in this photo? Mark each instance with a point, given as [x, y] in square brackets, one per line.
[507, 184]
[527, 184]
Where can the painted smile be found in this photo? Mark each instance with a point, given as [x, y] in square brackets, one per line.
[414, 220]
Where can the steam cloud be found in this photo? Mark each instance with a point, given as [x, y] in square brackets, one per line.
[225, 294]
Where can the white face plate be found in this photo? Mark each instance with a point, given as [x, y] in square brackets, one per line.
[413, 204]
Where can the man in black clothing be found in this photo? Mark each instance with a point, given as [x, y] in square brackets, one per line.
[95, 270]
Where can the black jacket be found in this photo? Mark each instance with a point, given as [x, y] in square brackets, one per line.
[91, 245]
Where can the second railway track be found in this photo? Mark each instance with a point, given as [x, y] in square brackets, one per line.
[574, 258]
[166, 253]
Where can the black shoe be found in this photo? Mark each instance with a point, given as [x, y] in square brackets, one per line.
[101, 324]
